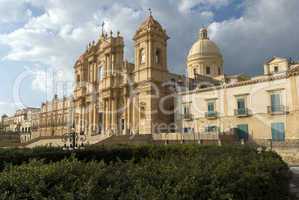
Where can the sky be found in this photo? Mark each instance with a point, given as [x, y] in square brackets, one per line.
[40, 40]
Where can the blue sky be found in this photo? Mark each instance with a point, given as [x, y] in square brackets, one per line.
[41, 39]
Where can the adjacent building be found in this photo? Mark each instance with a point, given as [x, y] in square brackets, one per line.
[53, 118]
[259, 109]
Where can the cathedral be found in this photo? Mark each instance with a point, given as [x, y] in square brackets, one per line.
[118, 97]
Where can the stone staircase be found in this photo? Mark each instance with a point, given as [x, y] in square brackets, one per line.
[128, 139]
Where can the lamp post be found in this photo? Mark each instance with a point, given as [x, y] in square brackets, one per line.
[73, 140]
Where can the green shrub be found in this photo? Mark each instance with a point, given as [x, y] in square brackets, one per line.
[145, 172]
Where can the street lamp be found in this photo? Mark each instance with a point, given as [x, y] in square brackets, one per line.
[73, 140]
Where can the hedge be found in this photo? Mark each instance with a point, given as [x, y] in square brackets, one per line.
[145, 172]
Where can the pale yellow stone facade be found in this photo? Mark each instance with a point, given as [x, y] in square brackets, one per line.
[53, 118]
[265, 107]
[113, 96]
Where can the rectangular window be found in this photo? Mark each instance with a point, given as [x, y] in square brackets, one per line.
[241, 106]
[276, 69]
[211, 129]
[208, 70]
[122, 124]
[241, 103]
[186, 109]
[101, 73]
[188, 130]
[242, 132]
[278, 132]
[275, 102]
[211, 106]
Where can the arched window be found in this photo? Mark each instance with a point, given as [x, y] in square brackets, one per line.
[142, 111]
[157, 56]
[142, 56]
[101, 73]
[78, 78]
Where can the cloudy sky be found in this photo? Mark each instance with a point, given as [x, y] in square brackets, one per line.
[41, 39]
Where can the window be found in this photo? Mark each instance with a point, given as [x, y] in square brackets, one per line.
[275, 102]
[208, 70]
[241, 103]
[211, 129]
[194, 72]
[157, 56]
[278, 132]
[242, 132]
[186, 109]
[78, 78]
[142, 112]
[122, 124]
[188, 130]
[142, 56]
[276, 69]
[211, 106]
[219, 71]
[100, 73]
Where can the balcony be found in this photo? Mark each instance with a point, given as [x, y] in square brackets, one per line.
[242, 112]
[209, 136]
[80, 92]
[278, 110]
[187, 116]
[211, 114]
[212, 130]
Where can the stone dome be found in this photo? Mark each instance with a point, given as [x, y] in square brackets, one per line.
[204, 46]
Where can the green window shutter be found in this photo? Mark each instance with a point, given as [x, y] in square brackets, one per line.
[242, 131]
[278, 131]
[275, 102]
[241, 104]
[211, 106]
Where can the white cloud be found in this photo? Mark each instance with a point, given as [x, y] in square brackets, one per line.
[267, 28]
[14, 11]
[188, 5]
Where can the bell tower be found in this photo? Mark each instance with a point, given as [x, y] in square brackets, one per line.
[150, 72]
[150, 50]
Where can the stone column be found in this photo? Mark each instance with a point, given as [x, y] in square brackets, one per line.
[113, 115]
[90, 119]
[125, 115]
[104, 116]
[95, 121]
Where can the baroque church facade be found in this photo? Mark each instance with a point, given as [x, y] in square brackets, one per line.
[117, 97]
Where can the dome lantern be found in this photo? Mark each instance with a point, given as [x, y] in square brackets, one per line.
[203, 34]
[204, 57]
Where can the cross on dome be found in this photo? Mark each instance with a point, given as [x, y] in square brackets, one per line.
[150, 11]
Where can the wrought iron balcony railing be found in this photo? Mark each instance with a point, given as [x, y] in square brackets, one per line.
[187, 116]
[212, 130]
[211, 114]
[242, 112]
[274, 110]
